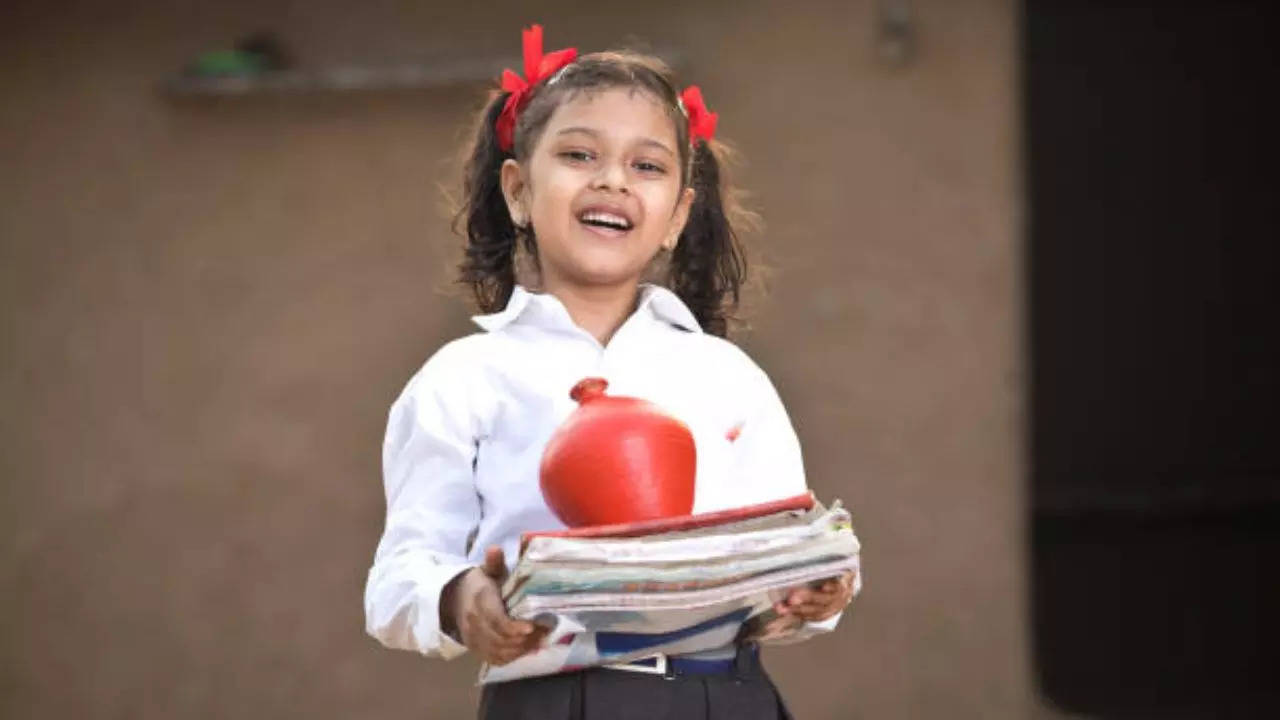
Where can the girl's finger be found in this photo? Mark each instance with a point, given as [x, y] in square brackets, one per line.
[827, 608]
[500, 642]
[799, 596]
[507, 651]
[496, 618]
[819, 598]
[499, 658]
[517, 629]
[507, 629]
[495, 629]
[809, 596]
[842, 587]
[820, 615]
[817, 611]
[525, 642]
[834, 600]
[504, 652]
[531, 646]
[495, 565]
[783, 623]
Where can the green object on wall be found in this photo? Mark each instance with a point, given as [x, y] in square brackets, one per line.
[228, 62]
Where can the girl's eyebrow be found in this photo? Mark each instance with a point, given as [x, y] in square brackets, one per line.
[596, 134]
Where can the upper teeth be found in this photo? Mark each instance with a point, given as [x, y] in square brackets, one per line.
[604, 217]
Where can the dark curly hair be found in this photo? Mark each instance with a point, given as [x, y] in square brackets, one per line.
[708, 267]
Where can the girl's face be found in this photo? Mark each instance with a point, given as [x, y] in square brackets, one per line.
[601, 189]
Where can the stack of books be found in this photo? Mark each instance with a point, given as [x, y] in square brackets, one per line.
[612, 594]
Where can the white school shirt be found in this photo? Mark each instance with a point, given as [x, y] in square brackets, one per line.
[465, 439]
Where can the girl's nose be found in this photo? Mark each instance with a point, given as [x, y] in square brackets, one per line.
[611, 176]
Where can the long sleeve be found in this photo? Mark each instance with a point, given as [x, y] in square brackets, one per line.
[768, 463]
[770, 466]
[432, 510]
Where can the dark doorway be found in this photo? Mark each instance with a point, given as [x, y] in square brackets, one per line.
[1154, 325]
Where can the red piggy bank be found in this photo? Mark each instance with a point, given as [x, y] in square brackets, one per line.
[616, 460]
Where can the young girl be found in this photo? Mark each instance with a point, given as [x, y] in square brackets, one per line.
[586, 177]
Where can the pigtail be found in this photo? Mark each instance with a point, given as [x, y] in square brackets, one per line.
[708, 265]
[489, 260]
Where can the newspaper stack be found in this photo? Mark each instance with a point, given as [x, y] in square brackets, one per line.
[620, 593]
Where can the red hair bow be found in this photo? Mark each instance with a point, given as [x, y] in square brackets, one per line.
[537, 67]
[702, 122]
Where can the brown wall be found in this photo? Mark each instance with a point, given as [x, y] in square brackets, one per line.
[207, 307]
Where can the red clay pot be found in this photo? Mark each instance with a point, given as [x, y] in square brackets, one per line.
[617, 459]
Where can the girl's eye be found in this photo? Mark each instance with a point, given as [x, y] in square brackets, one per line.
[648, 167]
[577, 155]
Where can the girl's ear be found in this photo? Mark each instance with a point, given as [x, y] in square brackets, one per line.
[679, 218]
[514, 192]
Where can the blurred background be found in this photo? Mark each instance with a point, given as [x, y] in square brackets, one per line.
[1022, 314]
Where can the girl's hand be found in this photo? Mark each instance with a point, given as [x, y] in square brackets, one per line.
[778, 626]
[473, 602]
[820, 601]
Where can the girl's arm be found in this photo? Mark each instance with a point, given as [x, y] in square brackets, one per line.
[770, 466]
[768, 462]
[432, 510]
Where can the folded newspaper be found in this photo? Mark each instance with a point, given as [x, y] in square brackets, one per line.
[612, 594]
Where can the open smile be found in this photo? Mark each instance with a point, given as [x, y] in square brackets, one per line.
[606, 221]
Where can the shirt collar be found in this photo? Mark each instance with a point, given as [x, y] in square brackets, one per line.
[655, 299]
[666, 305]
[515, 306]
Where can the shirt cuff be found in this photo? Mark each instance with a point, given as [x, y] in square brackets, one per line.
[448, 646]
[820, 626]
[403, 611]
[824, 626]
[805, 631]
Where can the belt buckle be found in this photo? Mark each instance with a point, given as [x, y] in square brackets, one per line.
[659, 665]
